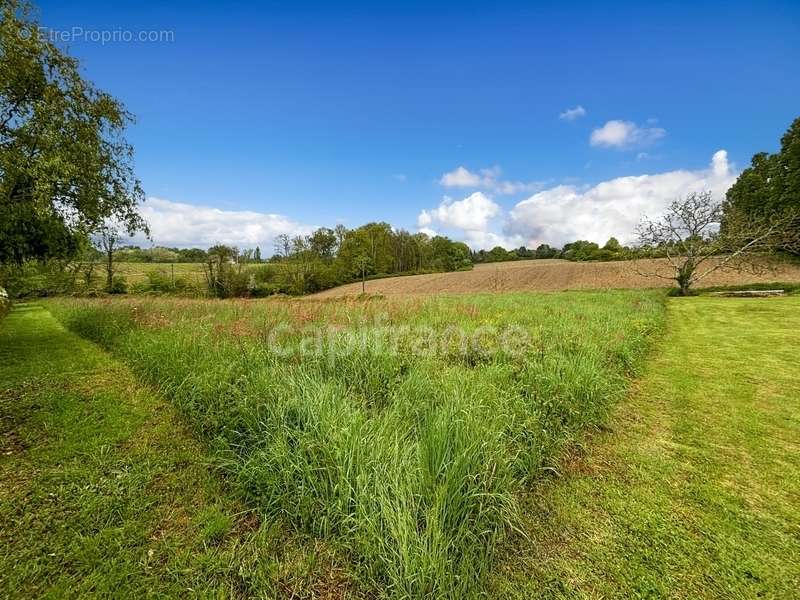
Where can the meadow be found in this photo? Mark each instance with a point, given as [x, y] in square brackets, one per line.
[402, 432]
[138, 272]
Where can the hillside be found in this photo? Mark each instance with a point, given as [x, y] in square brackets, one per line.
[547, 275]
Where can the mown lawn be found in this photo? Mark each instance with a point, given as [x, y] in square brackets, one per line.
[694, 491]
[102, 493]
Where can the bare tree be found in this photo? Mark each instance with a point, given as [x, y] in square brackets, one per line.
[283, 245]
[696, 241]
[108, 238]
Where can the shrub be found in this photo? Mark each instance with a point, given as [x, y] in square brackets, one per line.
[228, 280]
[119, 285]
[38, 279]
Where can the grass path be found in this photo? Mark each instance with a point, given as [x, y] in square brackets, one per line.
[101, 491]
[694, 492]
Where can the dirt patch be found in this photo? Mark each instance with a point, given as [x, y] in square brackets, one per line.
[551, 275]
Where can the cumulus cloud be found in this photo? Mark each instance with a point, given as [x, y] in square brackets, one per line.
[625, 134]
[472, 213]
[486, 240]
[462, 177]
[488, 179]
[572, 113]
[471, 220]
[185, 225]
[611, 208]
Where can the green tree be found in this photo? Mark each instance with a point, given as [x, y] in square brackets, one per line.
[497, 254]
[770, 188]
[613, 245]
[65, 168]
[546, 251]
[191, 255]
[323, 242]
[580, 250]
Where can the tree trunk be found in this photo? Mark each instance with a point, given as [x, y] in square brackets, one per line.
[684, 277]
[110, 270]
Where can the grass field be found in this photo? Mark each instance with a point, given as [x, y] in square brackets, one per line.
[137, 272]
[550, 275]
[104, 493]
[365, 449]
[694, 489]
[369, 424]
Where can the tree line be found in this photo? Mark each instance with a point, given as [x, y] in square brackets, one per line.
[66, 174]
[330, 257]
[579, 250]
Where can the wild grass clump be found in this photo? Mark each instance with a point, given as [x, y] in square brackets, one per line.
[379, 424]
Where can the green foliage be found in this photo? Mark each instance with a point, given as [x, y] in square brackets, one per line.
[589, 251]
[410, 461]
[331, 257]
[770, 187]
[580, 250]
[322, 242]
[226, 278]
[160, 254]
[119, 285]
[40, 279]
[61, 148]
[546, 251]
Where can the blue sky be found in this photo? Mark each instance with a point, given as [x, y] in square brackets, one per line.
[353, 113]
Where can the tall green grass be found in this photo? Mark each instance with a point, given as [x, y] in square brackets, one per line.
[410, 457]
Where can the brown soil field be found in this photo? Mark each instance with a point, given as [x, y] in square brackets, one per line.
[553, 275]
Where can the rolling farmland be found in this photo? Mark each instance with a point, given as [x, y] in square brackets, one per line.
[550, 275]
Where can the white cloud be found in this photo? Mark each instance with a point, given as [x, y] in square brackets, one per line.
[471, 220]
[488, 179]
[486, 240]
[625, 134]
[719, 164]
[461, 177]
[572, 113]
[472, 213]
[185, 225]
[555, 216]
[611, 208]
[428, 231]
